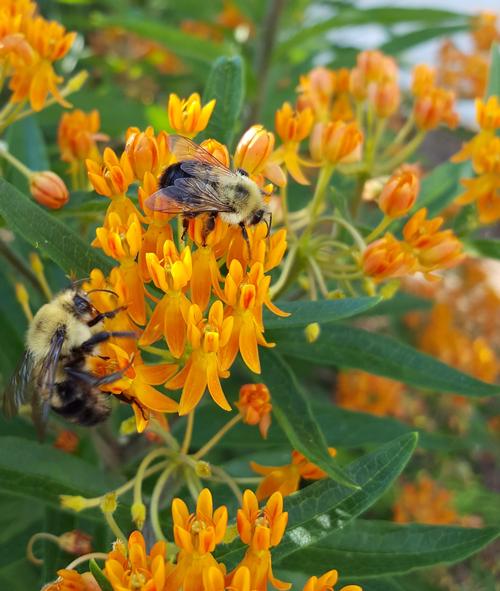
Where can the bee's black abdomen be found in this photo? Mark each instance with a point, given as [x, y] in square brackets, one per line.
[171, 174]
[80, 404]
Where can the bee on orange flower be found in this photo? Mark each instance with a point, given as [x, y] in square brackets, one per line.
[199, 183]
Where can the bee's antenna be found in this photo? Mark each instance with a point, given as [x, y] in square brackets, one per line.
[105, 290]
[269, 222]
[76, 282]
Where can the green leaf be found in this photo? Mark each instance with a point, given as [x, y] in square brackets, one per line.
[99, 576]
[182, 44]
[323, 311]
[489, 248]
[351, 17]
[346, 346]
[41, 472]
[400, 304]
[318, 510]
[48, 234]
[374, 548]
[294, 415]
[494, 72]
[225, 84]
[399, 43]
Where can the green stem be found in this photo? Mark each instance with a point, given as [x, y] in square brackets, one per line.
[404, 154]
[286, 271]
[217, 437]
[230, 481]
[114, 527]
[188, 434]
[155, 502]
[24, 170]
[318, 199]
[358, 239]
[384, 223]
[141, 472]
[318, 276]
[401, 136]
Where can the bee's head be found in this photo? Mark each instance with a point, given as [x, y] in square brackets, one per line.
[82, 307]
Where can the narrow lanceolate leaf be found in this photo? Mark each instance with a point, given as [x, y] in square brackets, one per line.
[494, 72]
[225, 84]
[304, 312]
[41, 472]
[99, 576]
[324, 507]
[399, 43]
[346, 346]
[294, 415]
[49, 235]
[375, 548]
[181, 43]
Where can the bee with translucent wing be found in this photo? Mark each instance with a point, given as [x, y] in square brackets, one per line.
[200, 184]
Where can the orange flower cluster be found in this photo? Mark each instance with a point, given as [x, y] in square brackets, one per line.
[466, 72]
[29, 46]
[286, 479]
[484, 151]
[255, 406]
[425, 249]
[425, 502]
[77, 136]
[195, 568]
[358, 390]
[177, 294]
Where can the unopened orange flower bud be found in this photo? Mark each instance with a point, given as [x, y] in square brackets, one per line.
[75, 542]
[217, 149]
[399, 194]
[67, 441]
[254, 149]
[255, 406]
[48, 189]
[341, 142]
[385, 98]
[146, 153]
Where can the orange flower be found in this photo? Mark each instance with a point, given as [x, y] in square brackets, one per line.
[204, 367]
[253, 154]
[316, 90]
[255, 406]
[48, 189]
[292, 127]
[484, 31]
[218, 150]
[187, 116]
[246, 295]
[434, 249]
[434, 108]
[286, 479]
[136, 569]
[488, 113]
[197, 535]
[146, 153]
[113, 176]
[326, 583]
[424, 79]
[385, 98]
[388, 257]
[425, 502]
[213, 580]
[136, 385]
[485, 191]
[365, 392]
[372, 67]
[72, 580]
[261, 529]
[336, 142]
[399, 194]
[172, 276]
[77, 135]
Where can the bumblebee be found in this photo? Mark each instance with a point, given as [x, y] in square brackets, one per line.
[201, 184]
[53, 372]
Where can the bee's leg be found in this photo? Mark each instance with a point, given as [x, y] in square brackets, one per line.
[244, 233]
[102, 315]
[91, 379]
[185, 226]
[88, 345]
[208, 226]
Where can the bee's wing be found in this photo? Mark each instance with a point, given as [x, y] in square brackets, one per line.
[188, 195]
[21, 386]
[185, 149]
[47, 375]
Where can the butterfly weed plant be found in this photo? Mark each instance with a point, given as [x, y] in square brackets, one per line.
[226, 463]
